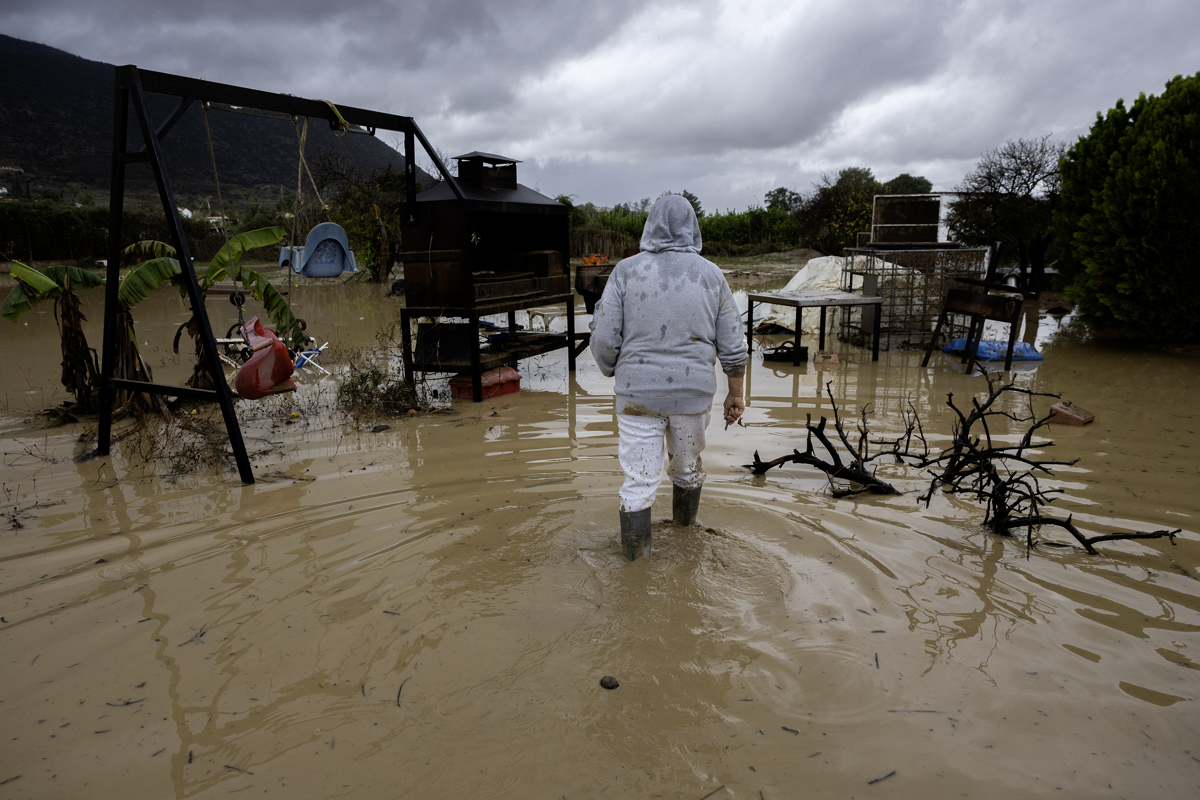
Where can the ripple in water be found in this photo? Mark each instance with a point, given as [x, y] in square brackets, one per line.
[122, 570]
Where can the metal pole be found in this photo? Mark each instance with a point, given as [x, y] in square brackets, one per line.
[188, 273]
[410, 178]
[570, 330]
[437, 161]
[116, 212]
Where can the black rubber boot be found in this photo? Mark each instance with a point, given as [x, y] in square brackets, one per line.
[685, 503]
[635, 533]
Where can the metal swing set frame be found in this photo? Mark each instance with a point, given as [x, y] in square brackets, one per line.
[132, 86]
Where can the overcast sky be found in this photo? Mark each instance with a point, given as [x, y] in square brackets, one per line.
[614, 100]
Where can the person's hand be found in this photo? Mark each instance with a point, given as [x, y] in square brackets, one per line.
[735, 405]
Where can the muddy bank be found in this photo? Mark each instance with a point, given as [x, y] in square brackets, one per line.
[428, 610]
[763, 272]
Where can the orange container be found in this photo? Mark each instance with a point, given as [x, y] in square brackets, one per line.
[502, 380]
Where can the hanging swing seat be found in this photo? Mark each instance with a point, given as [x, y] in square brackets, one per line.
[269, 370]
[326, 253]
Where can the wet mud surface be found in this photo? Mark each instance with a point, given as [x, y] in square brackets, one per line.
[428, 610]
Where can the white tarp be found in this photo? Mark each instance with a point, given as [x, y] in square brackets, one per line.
[824, 274]
[819, 274]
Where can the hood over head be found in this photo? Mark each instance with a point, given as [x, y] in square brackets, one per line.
[671, 226]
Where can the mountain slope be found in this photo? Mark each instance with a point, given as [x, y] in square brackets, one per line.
[56, 119]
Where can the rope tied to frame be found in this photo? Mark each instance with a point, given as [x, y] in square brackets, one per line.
[301, 170]
[217, 180]
[236, 298]
[341, 123]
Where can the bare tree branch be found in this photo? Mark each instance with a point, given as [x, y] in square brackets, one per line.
[1003, 478]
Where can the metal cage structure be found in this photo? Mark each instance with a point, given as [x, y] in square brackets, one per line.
[913, 280]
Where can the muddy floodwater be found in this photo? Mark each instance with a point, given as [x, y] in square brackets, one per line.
[427, 610]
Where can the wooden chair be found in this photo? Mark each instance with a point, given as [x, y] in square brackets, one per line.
[980, 307]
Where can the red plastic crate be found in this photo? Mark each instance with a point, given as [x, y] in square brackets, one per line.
[502, 380]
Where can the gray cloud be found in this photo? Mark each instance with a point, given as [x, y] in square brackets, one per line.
[620, 100]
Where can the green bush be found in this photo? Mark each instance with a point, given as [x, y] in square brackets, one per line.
[613, 230]
[1130, 194]
[755, 230]
[43, 230]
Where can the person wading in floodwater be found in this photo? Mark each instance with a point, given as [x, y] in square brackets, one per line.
[666, 317]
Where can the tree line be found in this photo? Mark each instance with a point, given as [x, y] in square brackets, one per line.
[826, 218]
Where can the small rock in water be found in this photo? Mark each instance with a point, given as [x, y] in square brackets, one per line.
[380, 428]
[609, 682]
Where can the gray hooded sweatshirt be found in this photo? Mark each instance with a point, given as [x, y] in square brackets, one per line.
[665, 318]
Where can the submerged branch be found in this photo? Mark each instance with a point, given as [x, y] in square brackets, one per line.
[866, 480]
[1087, 541]
[1004, 479]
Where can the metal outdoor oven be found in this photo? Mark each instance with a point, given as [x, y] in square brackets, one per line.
[500, 241]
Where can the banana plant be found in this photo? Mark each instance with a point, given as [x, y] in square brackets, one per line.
[80, 370]
[44, 283]
[161, 267]
[227, 265]
[153, 265]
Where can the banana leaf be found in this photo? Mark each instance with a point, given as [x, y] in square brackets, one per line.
[144, 279]
[32, 288]
[287, 327]
[45, 283]
[38, 282]
[19, 300]
[145, 250]
[73, 277]
[225, 264]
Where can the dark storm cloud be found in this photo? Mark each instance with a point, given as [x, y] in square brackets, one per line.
[620, 100]
[443, 54]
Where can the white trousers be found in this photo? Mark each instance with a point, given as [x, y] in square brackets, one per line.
[641, 454]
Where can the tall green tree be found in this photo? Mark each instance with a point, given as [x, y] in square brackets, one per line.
[783, 199]
[908, 184]
[1130, 194]
[858, 179]
[838, 210]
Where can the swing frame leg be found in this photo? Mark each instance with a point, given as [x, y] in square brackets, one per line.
[129, 92]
